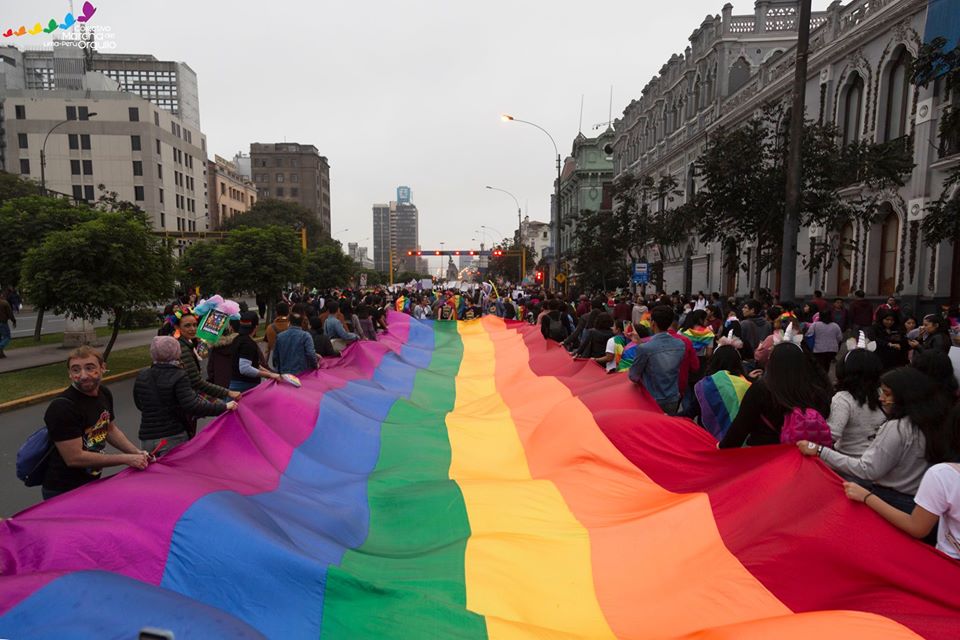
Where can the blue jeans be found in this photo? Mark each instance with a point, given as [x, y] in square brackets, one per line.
[242, 385]
[4, 335]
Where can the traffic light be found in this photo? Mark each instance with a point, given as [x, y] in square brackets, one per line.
[473, 253]
[409, 253]
[497, 253]
[539, 276]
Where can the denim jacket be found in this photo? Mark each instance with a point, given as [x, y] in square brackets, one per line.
[657, 366]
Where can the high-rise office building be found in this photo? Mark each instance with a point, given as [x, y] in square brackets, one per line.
[396, 230]
[296, 172]
[382, 237]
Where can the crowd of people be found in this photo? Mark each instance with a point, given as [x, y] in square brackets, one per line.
[869, 390]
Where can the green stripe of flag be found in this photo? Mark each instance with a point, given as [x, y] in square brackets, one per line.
[407, 579]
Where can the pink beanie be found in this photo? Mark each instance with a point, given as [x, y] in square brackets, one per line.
[165, 349]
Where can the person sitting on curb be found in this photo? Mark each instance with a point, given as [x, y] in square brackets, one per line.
[80, 423]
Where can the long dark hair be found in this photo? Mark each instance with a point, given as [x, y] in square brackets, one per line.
[937, 366]
[859, 375]
[724, 358]
[917, 398]
[795, 380]
[697, 317]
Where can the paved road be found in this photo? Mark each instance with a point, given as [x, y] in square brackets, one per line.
[27, 321]
[15, 426]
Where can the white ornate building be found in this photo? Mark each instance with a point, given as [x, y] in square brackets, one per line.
[858, 78]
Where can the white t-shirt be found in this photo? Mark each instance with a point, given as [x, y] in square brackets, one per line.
[611, 350]
[939, 493]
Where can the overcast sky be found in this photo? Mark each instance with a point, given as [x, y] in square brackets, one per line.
[409, 93]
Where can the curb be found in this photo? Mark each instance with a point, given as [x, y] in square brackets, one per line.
[19, 403]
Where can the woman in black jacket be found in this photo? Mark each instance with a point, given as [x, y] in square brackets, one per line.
[167, 401]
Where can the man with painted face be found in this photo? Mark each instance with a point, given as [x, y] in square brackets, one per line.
[80, 424]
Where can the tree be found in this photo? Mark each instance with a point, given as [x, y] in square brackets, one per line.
[112, 263]
[742, 202]
[26, 221]
[13, 186]
[262, 260]
[596, 251]
[202, 265]
[507, 265]
[270, 212]
[328, 266]
[942, 219]
[644, 218]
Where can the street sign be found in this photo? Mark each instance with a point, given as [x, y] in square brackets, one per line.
[363, 280]
[561, 278]
[641, 273]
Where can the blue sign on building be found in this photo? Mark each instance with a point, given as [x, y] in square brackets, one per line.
[641, 272]
[403, 195]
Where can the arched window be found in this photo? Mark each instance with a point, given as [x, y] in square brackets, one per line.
[696, 105]
[845, 261]
[889, 235]
[739, 74]
[852, 107]
[898, 95]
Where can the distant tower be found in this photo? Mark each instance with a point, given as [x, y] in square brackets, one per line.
[403, 195]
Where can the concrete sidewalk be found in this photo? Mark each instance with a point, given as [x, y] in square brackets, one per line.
[28, 357]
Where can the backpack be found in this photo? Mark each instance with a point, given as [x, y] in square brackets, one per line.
[557, 331]
[33, 456]
[805, 424]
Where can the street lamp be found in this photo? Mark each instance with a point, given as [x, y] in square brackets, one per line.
[43, 152]
[556, 191]
[523, 254]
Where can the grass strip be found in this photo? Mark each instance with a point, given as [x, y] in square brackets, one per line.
[28, 382]
[57, 338]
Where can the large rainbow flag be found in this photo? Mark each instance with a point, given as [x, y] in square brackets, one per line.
[467, 480]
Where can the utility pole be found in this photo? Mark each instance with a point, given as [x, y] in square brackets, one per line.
[791, 223]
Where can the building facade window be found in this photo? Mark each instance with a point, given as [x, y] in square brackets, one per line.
[279, 192]
[71, 113]
[852, 107]
[280, 177]
[135, 143]
[73, 141]
[160, 195]
[24, 166]
[88, 192]
[75, 168]
[134, 114]
[889, 234]
[158, 146]
[137, 168]
[78, 192]
[83, 113]
[20, 111]
[85, 141]
[88, 167]
[138, 193]
[898, 96]
[22, 141]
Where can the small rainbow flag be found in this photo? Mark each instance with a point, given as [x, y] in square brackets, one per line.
[701, 337]
[720, 395]
[467, 480]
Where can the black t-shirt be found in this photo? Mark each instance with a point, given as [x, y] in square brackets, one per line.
[74, 414]
[246, 348]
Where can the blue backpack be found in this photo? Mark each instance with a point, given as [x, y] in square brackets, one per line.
[33, 456]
